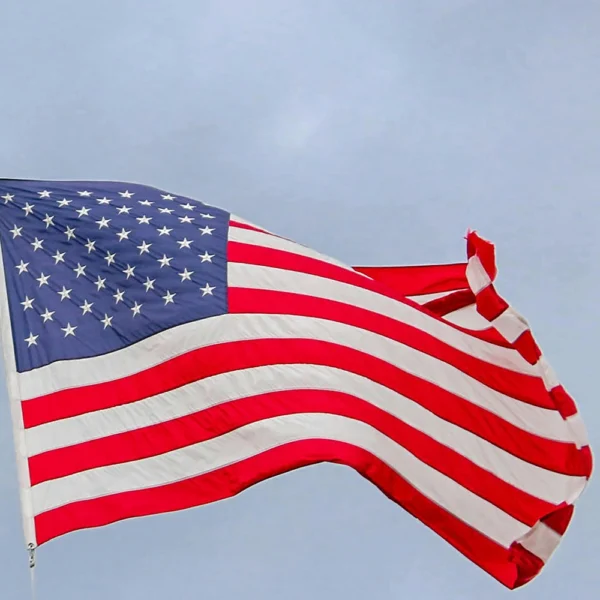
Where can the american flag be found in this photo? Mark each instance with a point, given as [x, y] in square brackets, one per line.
[162, 353]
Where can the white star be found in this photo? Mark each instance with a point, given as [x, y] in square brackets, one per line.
[126, 194]
[206, 230]
[184, 243]
[58, 257]
[8, 198]
[118, 296]
[144, 220]
[129, 271]
[16, 231]
[206, 257]
[123, 209]
[85, 194]
[123, 235]
[64, 293]
[49, 220]
[83, 212]
[44, 194]
[91, 246]
[27, 303]
[107, 321]
[144, 247]
[186, 275]
[169, 298]
[145, 202]
[47, 315]
[149, 284]
[188, 206]
[64, 202]
[136, 308]
[166, 211]
[104, 200]
[207, 289]
[43, 279]
[79, 269]
[22, 267]
[37, 244]
[167, 197]
[186, 219]
[207, 216]
[110, 258]
[100, 282]
[31, 340]
[164, 230]
[69, 330]
[28, 208]
[86, 307]
[165, 261]
[70, 232]
[103, 222]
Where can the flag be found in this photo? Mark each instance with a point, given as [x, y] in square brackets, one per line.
[162, 353]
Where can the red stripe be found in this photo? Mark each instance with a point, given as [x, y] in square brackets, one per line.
[239, 225]
[489, 304]
[559, 520]
[230, 481]
[218, 420]
[485, 251]
[239, 252]
[450, 303]
[522, 387]
[222, 358]
[564, 402]
[528, 564]
[527, 347]
[420, 280]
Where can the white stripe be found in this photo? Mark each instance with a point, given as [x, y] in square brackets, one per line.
[256, 238]
[423, 298]
[476, 275]
[259, 277]
[578, 430]
[510, 324]
[240, 384]
[261, 436]
[234, 327]
[469, 318]
[541, 540]
[547, 373]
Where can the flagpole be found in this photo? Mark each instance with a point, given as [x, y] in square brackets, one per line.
[31, 552]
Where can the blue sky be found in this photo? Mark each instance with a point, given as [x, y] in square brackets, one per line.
[376, 132]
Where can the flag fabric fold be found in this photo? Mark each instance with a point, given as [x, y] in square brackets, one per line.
[162, 353]
[464, 294]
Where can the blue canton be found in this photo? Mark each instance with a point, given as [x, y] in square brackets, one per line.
[92, 267]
